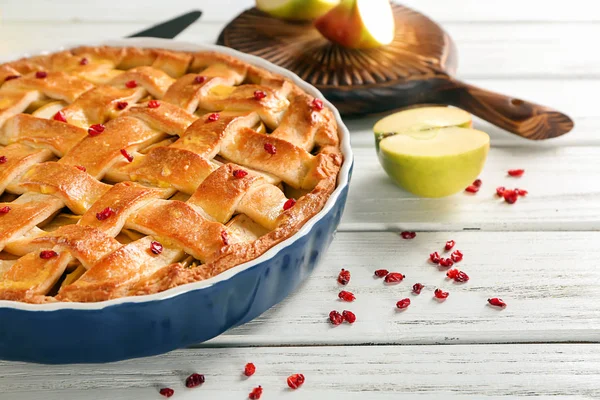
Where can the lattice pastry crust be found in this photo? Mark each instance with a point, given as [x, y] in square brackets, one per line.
[128, 171]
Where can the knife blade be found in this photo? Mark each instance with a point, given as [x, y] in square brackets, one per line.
[171, 28]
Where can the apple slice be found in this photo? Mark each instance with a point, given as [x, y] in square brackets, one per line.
[296, 9]
[359, 24]
[431, 151]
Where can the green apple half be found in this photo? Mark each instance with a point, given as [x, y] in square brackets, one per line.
[296, 9]
[359, 24]
[431, 151]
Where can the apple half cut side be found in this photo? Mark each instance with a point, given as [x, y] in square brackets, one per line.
[359, 24]
[296, 9]
[431, 151]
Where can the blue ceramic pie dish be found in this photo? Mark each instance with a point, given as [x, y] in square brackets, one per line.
[148, 325]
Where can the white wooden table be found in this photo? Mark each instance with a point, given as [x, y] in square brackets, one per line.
[541, 255]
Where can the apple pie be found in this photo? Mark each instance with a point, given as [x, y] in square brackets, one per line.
[129, 171]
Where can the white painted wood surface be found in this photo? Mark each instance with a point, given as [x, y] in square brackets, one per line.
[557, 371]
[540, 254]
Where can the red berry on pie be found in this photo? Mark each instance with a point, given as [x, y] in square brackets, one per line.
[317, 104]
[269, 148]
[289, 204]
[213, 117]
[96, 129]
[84, 61]
[3, 159]
[131, 84]
[41, 74]
[153, 104]
[47, 254]
[199, 79]
[128, 156]
[4, 210]
[156, 248]
[60, 116]
[239, 173]
[105, 214]
[259, 95]
[121, 105]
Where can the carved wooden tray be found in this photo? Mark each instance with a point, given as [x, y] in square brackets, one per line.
[416, 68]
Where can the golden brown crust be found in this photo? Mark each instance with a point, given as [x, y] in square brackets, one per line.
[231, 217]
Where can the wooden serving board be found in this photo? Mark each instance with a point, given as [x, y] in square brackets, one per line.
[416, 68]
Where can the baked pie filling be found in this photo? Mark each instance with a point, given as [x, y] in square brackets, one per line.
[128, 171]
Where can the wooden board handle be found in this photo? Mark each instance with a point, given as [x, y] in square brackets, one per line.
[529, 120]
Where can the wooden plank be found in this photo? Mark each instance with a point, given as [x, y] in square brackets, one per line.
[571, 96]
[139, 10]
[550, 281]
[485, 50]
[563, 190]
[565, 371]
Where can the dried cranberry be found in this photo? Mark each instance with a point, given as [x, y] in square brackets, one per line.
[199, 79]
[156, 248]
[225, 238]
[194, 380]
[440, 294]
[4, 210]
[41, 74]
[317, 104]
[289, 204]
[434, 257]
[380, 273]
[394, 277]
[335, 318]
[239, 173]
[344, 277]
[295, 381]
[11, 77]
[60, 116]
[449, 244]
[81, 168]
[494, 301]
[269, 148]
[256, 393]
[456, 256]
[213, 117]
[477, 183]
[516, 172]
[500, 191]
[446, 262]
[131, 84]
[259, 95]
[472, 189]
[128, 156]
[96, 129]
[452, 273]
[408, 235]
[417, 287]
[461, 277]
[153, 104]
[85, 61]
[47, 254]
[510, 196]
[346, 296]
[521, 192]
[105, 214]
[349, 316]
[249, 369]
[402, 304]
[167, 392]
[121, 105]
[3, 159]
